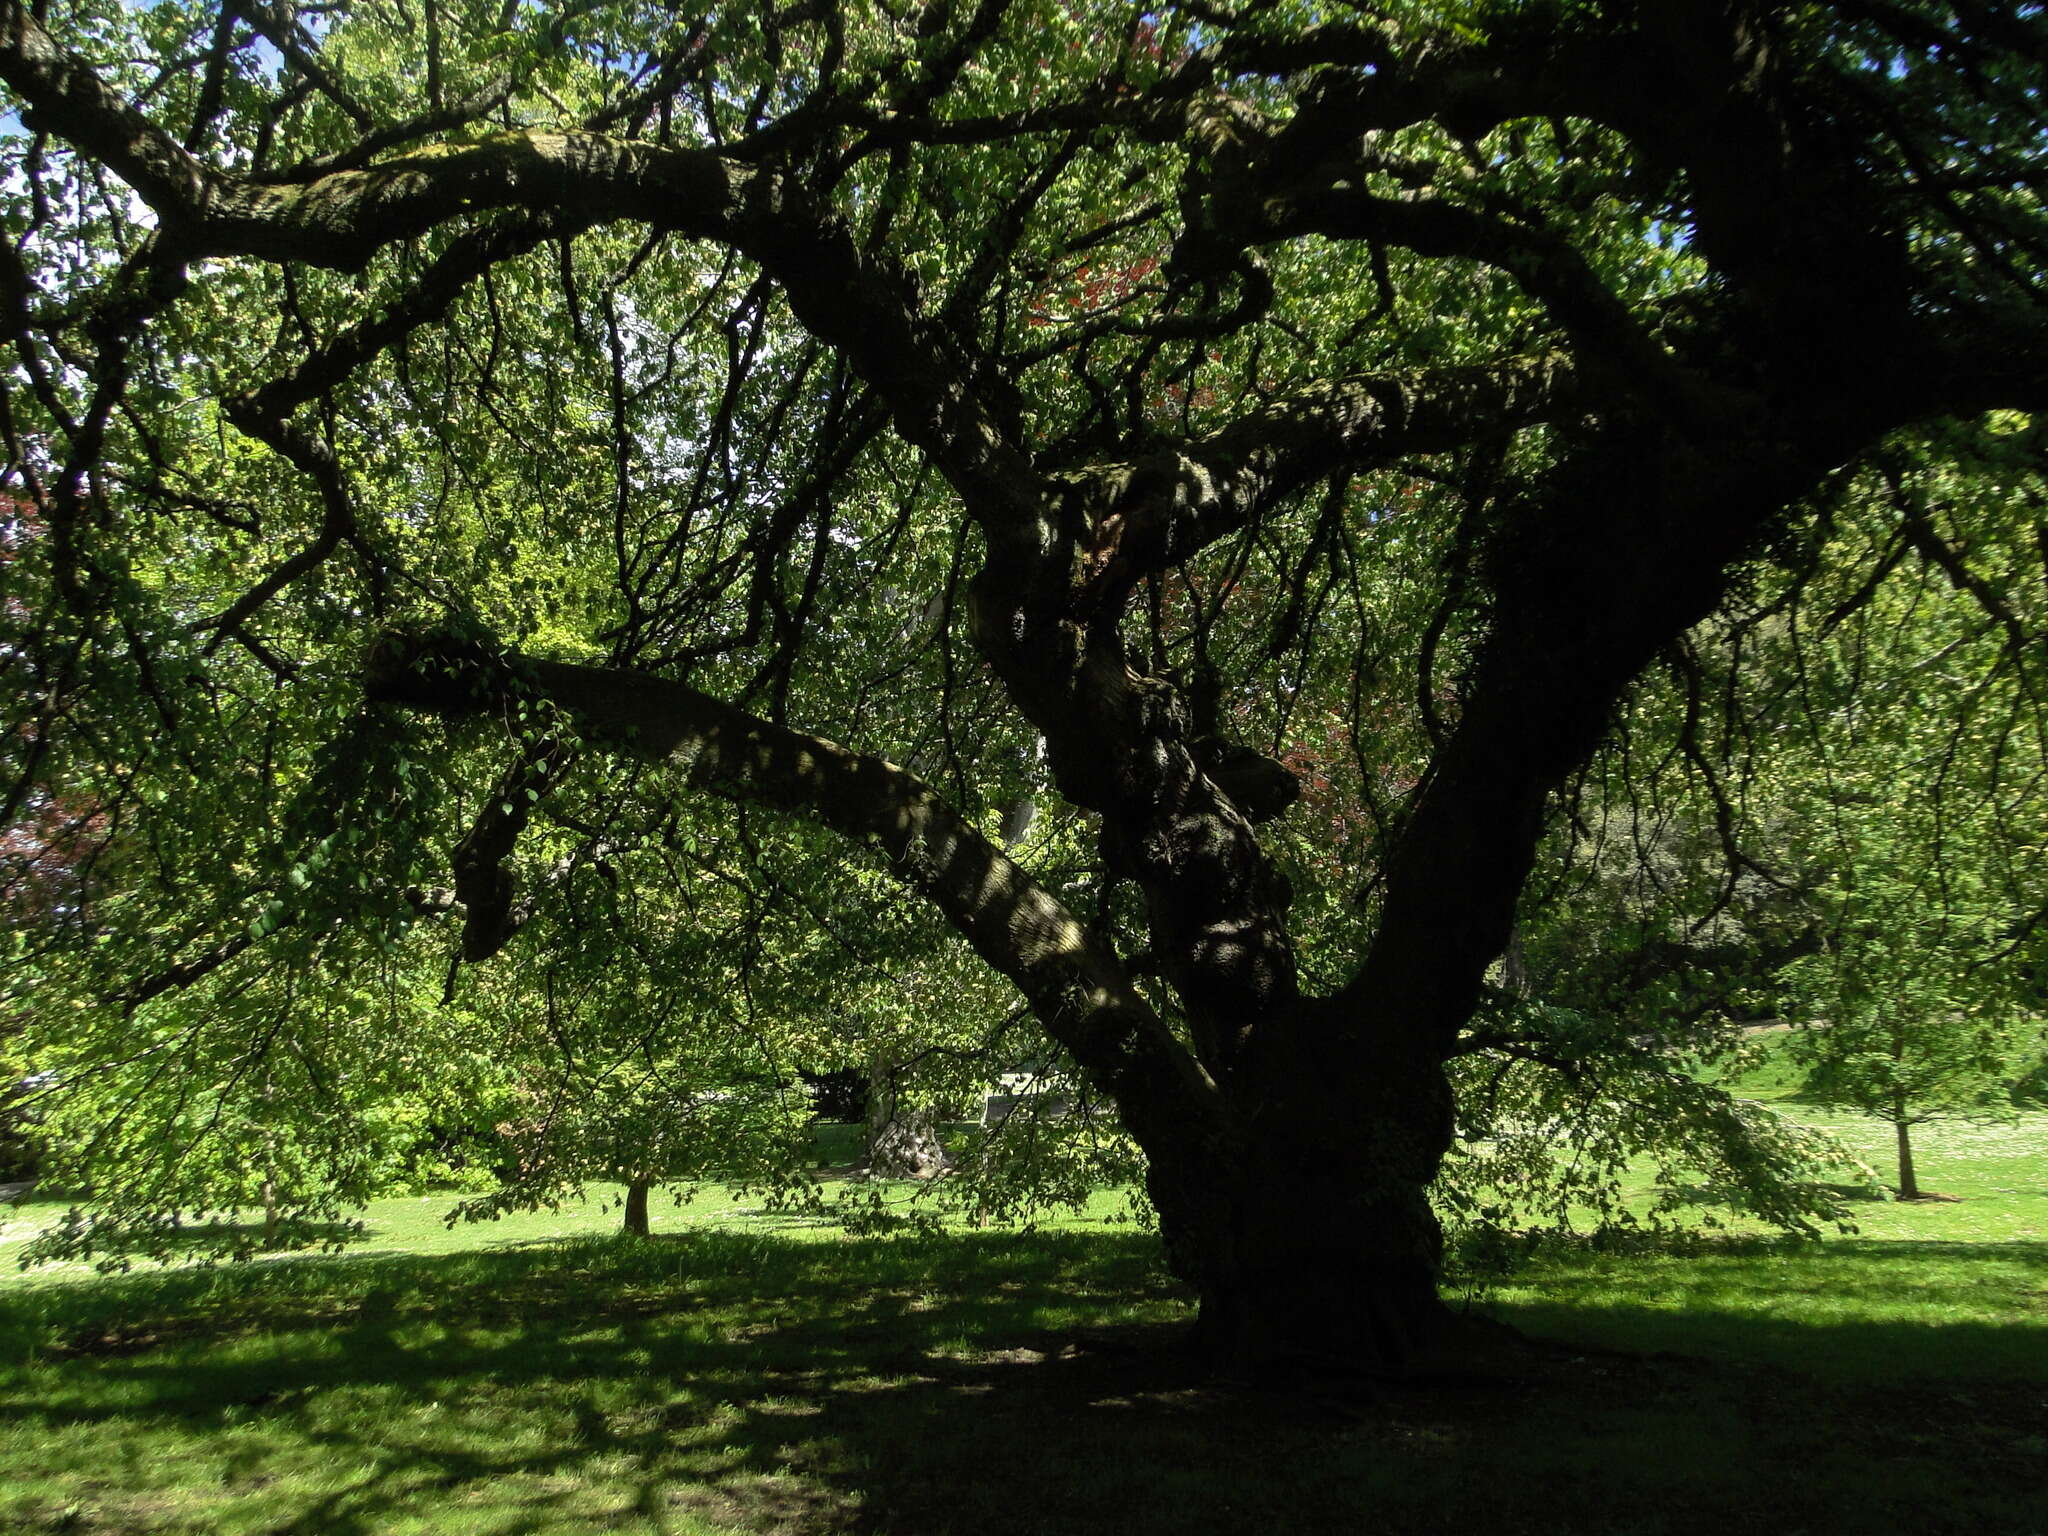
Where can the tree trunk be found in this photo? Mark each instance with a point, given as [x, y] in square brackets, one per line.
[636, 1208]
[1318, 1279]
[267, 1191]
[1307, 1232]
[1909, 1185]
[902, 1142]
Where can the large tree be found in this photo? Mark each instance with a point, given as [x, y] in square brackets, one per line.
[1156, 413]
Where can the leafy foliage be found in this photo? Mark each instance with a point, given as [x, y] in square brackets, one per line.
[1327, 552]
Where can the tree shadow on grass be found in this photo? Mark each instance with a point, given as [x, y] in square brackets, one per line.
[1728, 1197]
[968, 1386]
[1851, 1311]
[223, 1241]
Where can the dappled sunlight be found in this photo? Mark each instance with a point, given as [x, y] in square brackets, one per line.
[1842, 1309]
[739, 1381]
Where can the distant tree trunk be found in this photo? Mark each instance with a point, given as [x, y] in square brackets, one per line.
[267, 1193]
[902, 1141]
[1909, 1186]
[636, 1208]
[1017, 820]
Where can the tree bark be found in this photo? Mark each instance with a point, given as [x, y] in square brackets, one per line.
[268, 1192]
[1909, 1183]
[635, 1224]
[1306, 1231]
[902, 1140]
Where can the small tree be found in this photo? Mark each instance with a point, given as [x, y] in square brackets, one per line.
[1911, 1023]
[1920, 840]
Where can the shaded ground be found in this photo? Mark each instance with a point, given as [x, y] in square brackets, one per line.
[996, 1385]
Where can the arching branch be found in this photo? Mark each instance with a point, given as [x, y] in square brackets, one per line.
[1077, 988]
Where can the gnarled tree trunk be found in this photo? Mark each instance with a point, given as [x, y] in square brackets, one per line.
[902, 1139]
[1310, 1241]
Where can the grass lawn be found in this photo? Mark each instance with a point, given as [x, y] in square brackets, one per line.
[1999, 1173]
[747, 1372]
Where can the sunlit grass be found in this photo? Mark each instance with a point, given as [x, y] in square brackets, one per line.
[1997, 1169]
[776, 1382]
[750, 1370]
[421, 1224]
[1877, 1310]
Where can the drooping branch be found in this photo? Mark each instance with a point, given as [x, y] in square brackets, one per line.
[282, 31]
[942, 396]
[1076, 987]
[64, 95]
[855, 300]
[484, 883]
[339, 524]
[343, 217]
[180, 974]
[1550, 269]
[425, 302]
[1581, 605]
[1920, 532]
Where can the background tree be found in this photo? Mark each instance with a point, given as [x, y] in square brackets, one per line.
[1923, 832]
[1246, 405]
[1787, 831]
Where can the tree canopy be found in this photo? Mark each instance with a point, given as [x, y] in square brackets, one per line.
[1206, 499]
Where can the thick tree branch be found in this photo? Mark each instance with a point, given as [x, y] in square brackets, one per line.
[63, 95]
[1163, 510]
[1079, 990]
[478, 104]
[343, 217]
